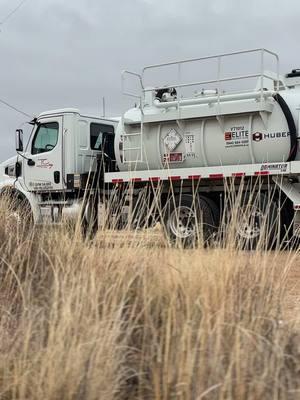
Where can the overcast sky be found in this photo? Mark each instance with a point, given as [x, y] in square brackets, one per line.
[58, 53]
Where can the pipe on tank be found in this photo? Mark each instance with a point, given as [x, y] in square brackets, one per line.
[215, 99]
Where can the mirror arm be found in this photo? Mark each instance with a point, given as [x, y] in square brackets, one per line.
[25, 158]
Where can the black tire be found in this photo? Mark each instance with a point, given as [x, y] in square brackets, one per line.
[257, 223]
[20, 214]
[215, 211]
[18, 205]
[89, 217]
[289, 241]
[215, 236]
[188, 220]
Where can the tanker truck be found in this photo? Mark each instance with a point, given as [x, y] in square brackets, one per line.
[171, 157]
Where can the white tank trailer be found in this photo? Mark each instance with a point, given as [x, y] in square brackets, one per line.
[202, 141]
[213, 127]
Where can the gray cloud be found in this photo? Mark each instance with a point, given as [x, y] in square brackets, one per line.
[69, 54]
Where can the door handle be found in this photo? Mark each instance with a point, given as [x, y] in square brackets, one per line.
[56, 177]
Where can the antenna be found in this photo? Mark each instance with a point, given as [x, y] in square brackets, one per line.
[103, 106]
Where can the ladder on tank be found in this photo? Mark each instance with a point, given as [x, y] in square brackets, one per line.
[139, 135]
[259, 95]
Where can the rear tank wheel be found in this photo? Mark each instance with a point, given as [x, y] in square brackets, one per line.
[257, 222]
[189, 220]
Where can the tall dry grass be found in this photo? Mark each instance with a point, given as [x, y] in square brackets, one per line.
[126, 317]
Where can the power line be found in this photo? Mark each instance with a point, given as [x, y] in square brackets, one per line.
[4, 20]
[15, 109]
[12, 12]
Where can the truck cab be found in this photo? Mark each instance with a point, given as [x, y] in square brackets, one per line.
[64, 143]
[63, 151]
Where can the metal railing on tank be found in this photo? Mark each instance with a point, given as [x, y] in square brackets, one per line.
[219, 95]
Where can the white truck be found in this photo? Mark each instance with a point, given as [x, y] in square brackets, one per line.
[179, 145]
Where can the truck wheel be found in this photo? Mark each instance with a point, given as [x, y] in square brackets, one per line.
[189, 219]
[20, 212]
[257, 222]
[89, 217]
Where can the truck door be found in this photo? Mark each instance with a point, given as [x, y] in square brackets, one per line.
[102, 140]
[43, 163]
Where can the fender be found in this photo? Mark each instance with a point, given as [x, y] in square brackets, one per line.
[16, 190]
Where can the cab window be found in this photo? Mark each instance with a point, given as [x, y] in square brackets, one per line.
[46, 138]
[98, 133]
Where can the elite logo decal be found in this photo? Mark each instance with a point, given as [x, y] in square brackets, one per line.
[237, 136]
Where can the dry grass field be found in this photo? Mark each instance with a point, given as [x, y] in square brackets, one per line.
[126, 317]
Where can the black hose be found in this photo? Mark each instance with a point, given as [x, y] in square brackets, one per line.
[291, 124]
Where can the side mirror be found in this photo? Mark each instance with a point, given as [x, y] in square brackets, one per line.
[19, 140]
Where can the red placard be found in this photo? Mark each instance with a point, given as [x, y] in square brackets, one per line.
[173, 157]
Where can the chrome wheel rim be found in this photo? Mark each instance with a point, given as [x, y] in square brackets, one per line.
[182, 222]
[15, 217]
[249, 223]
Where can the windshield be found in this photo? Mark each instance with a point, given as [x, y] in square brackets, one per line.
[45, 138]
